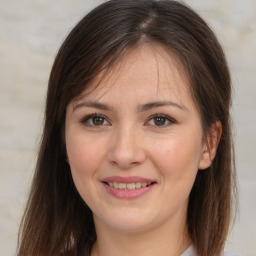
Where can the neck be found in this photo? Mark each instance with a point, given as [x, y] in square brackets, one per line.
[170, 239]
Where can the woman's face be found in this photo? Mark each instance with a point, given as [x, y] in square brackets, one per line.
[135, 143]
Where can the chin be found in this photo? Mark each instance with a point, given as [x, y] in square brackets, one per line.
[128, 221]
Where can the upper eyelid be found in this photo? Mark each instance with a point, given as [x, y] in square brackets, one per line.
[95, 115]
[87, 117]
[164, 116]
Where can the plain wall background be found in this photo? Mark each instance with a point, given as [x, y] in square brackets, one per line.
[30, 34]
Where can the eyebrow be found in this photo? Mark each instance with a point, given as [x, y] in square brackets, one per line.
[92, 104]
[152, 105]
[140, 108]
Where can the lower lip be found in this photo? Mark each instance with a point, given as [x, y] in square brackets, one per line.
[127, 194]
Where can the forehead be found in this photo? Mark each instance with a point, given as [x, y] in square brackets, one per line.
[146, 70]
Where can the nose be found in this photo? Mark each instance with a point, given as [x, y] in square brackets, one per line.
[126, 149]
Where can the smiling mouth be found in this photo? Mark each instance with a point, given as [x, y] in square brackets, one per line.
[129, 186]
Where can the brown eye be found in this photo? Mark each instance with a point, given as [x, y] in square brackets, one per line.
[159, 121]
[98, 120]
[95, 120]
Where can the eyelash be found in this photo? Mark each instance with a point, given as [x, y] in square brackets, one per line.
[86, 119]
[163, 116]
[166, 118]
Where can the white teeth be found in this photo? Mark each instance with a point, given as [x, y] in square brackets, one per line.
[128, 186]
[138, 185]
[121, 185]
[144, 184]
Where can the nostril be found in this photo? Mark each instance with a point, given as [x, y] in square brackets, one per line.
[124, 164]
[126, 152]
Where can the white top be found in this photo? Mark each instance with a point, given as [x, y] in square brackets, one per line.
[191, 252]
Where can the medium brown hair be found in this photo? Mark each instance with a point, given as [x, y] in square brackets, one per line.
[56, 220]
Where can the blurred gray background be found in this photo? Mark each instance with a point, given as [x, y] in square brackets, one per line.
[31, 32]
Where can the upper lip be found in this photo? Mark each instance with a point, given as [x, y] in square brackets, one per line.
[128, 179]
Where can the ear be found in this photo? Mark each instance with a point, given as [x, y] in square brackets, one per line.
[210, 145]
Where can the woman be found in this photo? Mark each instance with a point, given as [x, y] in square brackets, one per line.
[136, 154]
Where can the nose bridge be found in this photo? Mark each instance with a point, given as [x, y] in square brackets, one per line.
[127, 149]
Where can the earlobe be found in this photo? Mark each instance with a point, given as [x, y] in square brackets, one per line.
[210, 145]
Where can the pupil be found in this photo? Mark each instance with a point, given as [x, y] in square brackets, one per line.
[97, 120]
[159, 121]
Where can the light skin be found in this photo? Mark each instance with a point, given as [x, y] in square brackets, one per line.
[140, 121]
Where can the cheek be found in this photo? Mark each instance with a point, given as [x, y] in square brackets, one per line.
[177, 156]
[84, 155]
[177, 163]
[85, 159]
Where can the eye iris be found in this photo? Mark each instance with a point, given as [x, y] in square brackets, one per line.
[159, 120]
[98, 120]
